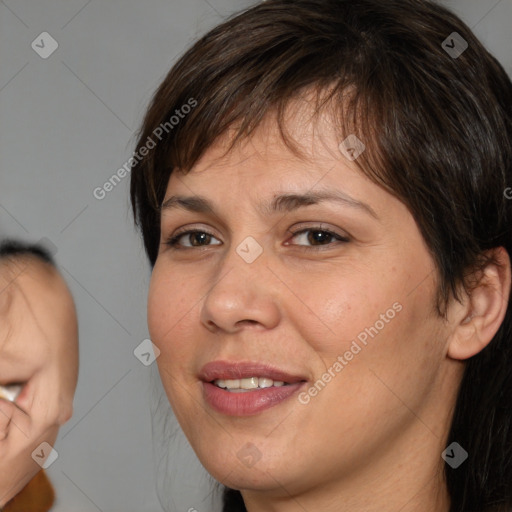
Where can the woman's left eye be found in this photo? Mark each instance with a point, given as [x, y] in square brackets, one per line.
[318, 236]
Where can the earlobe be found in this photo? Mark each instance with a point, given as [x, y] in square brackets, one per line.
[484, 309]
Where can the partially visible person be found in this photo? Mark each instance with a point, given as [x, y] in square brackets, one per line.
[39, 352]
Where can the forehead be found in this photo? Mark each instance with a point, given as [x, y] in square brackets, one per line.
[20, 268]
[26, 280]
[263, 165]
[304, 140]
[305, 132]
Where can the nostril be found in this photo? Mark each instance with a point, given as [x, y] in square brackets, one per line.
[251, 322]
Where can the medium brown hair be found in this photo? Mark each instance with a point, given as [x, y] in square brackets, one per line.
[438, 136]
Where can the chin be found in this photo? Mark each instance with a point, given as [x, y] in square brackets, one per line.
[247, 468]
[249, 479]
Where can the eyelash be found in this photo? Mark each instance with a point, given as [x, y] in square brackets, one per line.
[172, 242]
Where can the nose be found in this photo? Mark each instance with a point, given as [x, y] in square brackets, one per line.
[242, 294]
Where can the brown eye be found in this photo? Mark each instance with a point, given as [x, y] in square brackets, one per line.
[196, 238]
[318, 237]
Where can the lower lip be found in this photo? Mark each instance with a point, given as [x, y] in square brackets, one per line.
[250, 402]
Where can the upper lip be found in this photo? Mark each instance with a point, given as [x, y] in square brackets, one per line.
[226, 370]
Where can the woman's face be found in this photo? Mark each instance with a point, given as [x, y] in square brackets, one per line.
[332, 296]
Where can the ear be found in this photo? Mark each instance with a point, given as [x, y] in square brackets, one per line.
[477, 320]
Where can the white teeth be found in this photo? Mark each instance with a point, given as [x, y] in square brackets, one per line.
[232, 384]
[243, 385]
[251, 383]
[263, 382]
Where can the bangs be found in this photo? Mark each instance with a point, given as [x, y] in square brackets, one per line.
[342, 105]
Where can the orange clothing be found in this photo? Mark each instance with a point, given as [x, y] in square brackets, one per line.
[37, 496]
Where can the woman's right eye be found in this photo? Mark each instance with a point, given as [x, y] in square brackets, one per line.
[198, 238]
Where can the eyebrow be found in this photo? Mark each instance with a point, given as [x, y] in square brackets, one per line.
[280, 204]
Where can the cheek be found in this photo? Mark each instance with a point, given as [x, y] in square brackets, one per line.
[342, 308]
[172, 320]
[169, 299]
[387, 361]
[374, 318]
[164, 327]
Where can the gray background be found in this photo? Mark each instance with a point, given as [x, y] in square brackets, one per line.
[68, 123]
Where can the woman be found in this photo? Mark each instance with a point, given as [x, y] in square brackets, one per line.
[326, 218]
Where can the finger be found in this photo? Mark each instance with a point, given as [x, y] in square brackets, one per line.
[16, 424]
[6, 412]
[42, 398]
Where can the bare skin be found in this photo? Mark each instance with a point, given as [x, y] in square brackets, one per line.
[371, 439]
[39, 347]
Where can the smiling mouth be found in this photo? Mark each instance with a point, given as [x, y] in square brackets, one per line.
[248, 384]
[237, 401]
[246, 388]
